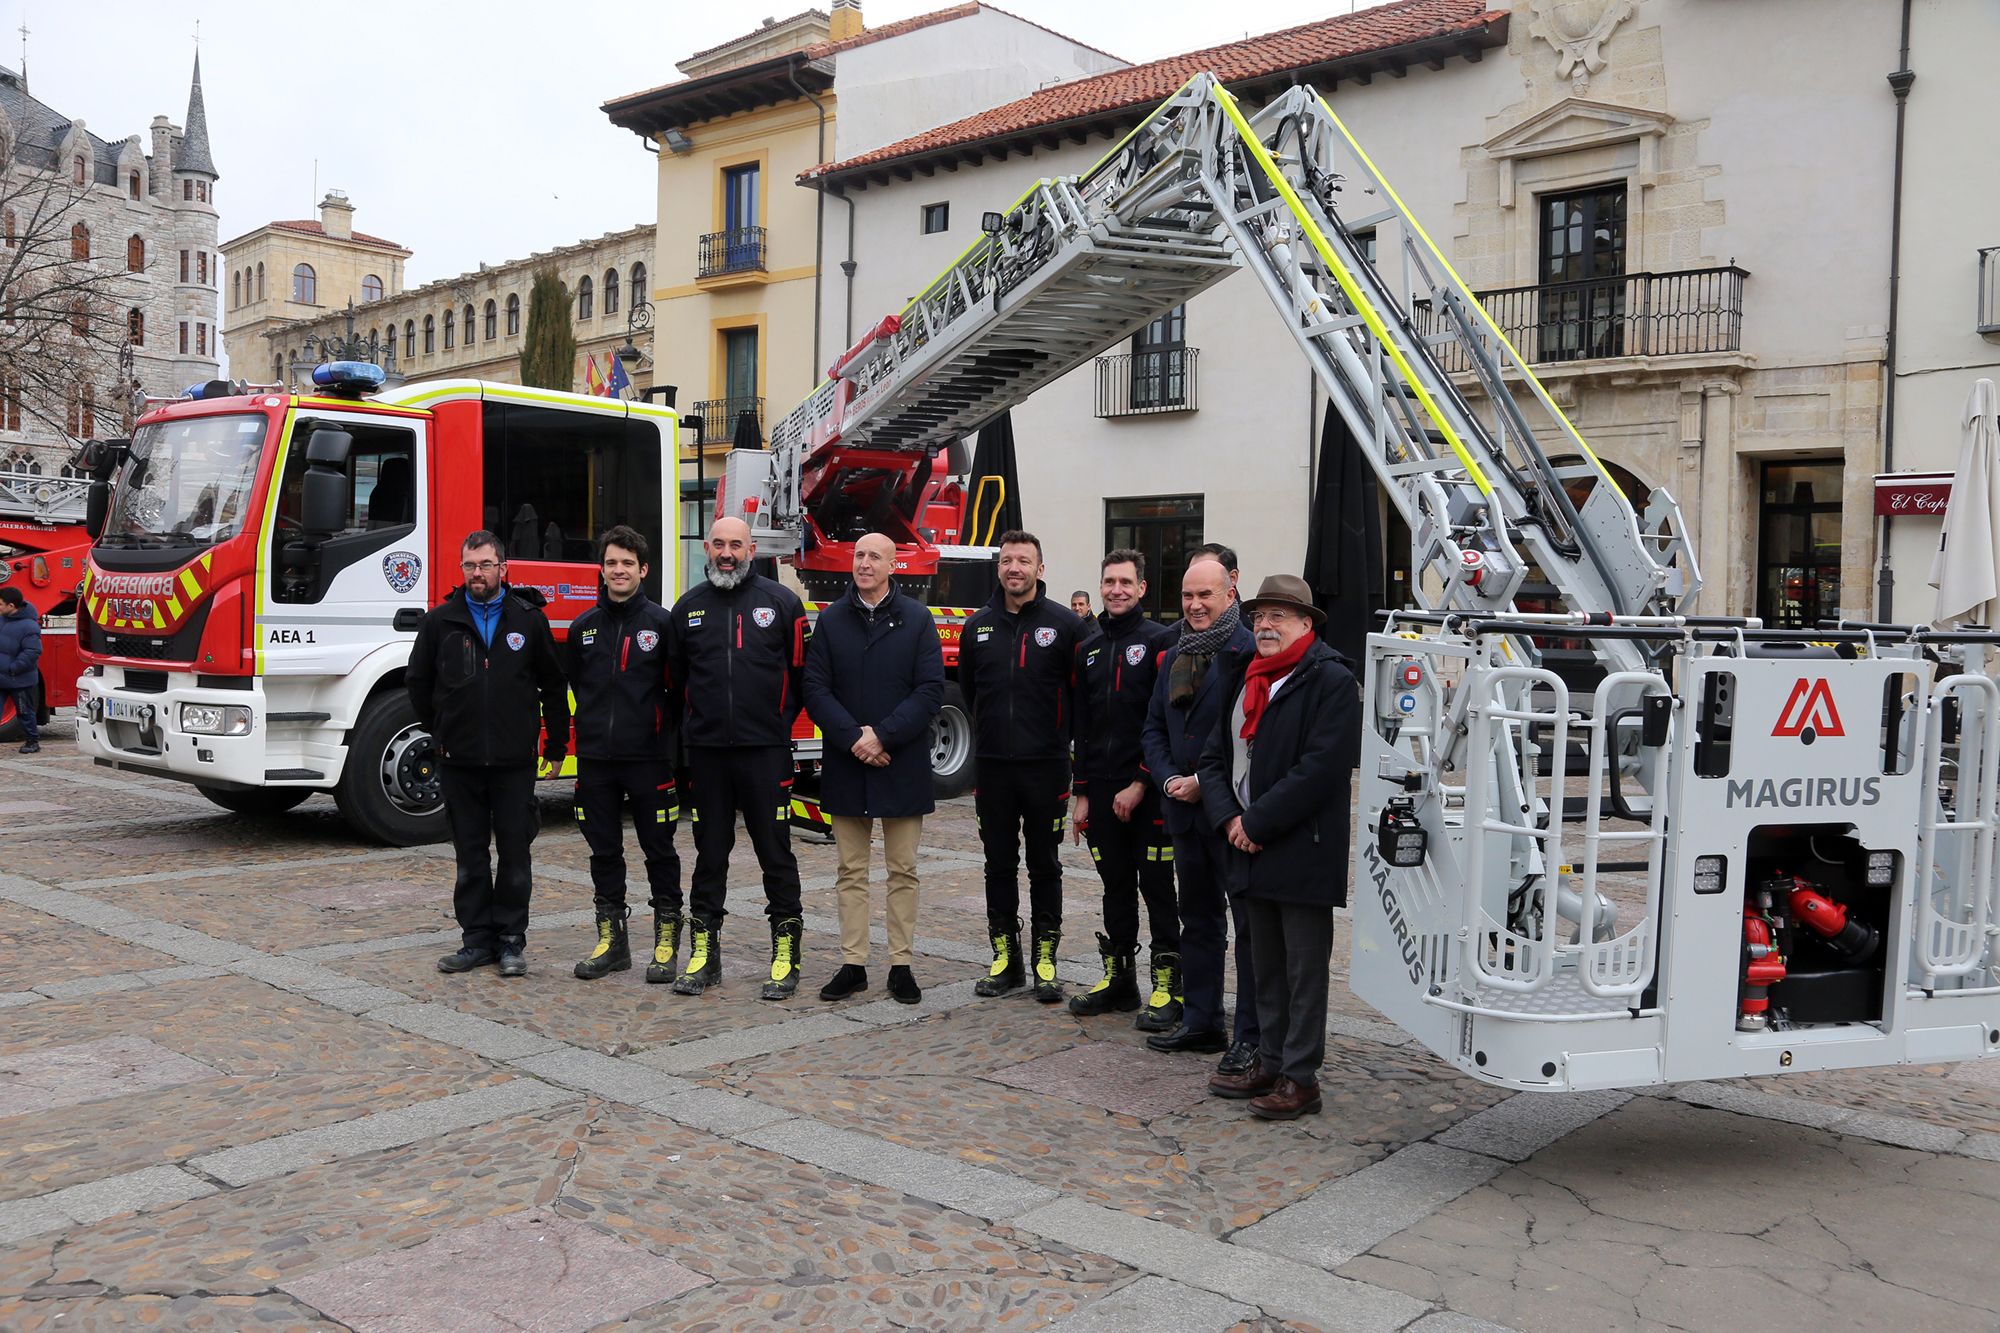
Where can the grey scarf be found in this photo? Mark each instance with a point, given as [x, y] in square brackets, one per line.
[1197, 650]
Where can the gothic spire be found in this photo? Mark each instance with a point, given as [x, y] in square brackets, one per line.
[191, 154]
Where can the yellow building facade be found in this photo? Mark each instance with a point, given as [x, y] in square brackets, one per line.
[283, 272]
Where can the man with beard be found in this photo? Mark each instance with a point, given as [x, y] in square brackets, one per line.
[617, 657]
[483, 660]
[1117, 810]
[1274, 782]
[1014, 664]
[736, 647]
[1187, 698]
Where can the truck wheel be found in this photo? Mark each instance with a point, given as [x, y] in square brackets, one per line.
[951, 746]
[10, 721]
[256, 800]
[389, 790]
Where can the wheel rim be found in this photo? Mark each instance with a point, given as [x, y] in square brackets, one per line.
[410, 772]
[951, 741]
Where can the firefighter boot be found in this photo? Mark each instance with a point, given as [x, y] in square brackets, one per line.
[1163, 1006]
[1006, 974]
[786, 934]
[666, 947]
[614, 948]
[1118, 990]
[704, 965]
[1047, 988]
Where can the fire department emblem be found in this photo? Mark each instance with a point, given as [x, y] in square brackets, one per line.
[648, 640]
[1044, 636]
[763, 615]
[1134, 654]
[515, 641]
[402, 569]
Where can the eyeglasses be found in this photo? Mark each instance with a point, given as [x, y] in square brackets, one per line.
[480, 566]
[1270, 617]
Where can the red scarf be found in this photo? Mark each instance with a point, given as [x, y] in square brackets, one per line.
[1258, 679]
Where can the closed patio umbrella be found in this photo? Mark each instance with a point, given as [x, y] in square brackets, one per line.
[1966, 572]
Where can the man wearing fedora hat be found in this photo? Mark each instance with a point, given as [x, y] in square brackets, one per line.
[1274, 782]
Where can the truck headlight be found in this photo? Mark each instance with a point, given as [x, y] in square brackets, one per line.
[215, 719]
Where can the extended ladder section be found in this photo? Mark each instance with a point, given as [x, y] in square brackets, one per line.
[1198, 190]
[39, 499]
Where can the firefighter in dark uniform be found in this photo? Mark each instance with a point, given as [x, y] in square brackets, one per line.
[625, 725]
[1015, 656]
[736, 648]
[486, 684]
[1117, 807]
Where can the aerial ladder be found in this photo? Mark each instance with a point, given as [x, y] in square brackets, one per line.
[1752, 850]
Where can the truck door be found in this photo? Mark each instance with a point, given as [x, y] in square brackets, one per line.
[330, 599]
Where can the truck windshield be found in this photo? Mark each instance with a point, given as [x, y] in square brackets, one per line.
[187, 483]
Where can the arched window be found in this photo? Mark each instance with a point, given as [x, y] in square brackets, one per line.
[409, 338]
[135, 255]
[187, 190]
[450, 324]
[492, 321]
[611, 291]
[10, 404]
[513, 313]
[260, 288]
[430, 334]
[79, 240]
[278, 368]
[638, 286]
[132, 185]
[471, 329]
[305, 285]
[371, 288]
[135, 326]
[76, 170]
[235, 290]
[583, 294]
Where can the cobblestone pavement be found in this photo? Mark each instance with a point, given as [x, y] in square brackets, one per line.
[235, 1092]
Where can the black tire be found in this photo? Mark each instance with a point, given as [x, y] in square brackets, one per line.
[951, 746]
[389, 789]
[10, 722]
[256, 800]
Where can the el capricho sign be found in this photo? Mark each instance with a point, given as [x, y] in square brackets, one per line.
[1915, 494]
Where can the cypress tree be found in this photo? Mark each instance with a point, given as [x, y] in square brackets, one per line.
[548, 352]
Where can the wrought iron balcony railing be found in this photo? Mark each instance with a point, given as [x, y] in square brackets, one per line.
[721, 418]
[1989, 290]
[1143, 383]
[738, 250]
[1634, 314]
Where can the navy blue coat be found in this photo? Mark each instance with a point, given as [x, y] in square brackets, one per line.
[888, 674]
[1174, 736]
[20, 649]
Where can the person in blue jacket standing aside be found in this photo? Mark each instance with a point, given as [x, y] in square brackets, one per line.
[874, 680]
[20, 664]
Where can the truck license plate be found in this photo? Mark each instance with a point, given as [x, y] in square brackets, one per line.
[129, 710]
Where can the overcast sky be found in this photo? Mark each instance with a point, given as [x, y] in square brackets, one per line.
[429, 114]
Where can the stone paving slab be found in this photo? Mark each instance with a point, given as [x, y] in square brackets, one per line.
[1116, 1076]
[1157, 1303]
[717, 1112]
[940, 1179]
[602, 1075]
[530, 1270]
[1352, 1215]
[481, 1036]
[1528, 1122]
[42, 951]
[706, 1052]
[86, 1071]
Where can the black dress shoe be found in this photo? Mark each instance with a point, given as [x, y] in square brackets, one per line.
[852, 977]
[903, 987]
[1180, 1039]
[466, 959]
[512, 963]
[1238, 1059]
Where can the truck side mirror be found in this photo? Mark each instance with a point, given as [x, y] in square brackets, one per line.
[101, 458]
[96, 507]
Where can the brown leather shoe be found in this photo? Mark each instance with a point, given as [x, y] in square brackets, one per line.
[1252, 1082]
[1287, 1101]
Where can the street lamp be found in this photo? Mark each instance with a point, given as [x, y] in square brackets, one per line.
[347, 346]
[641, 317]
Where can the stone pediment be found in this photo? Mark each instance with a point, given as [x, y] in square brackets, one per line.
[1574, 124]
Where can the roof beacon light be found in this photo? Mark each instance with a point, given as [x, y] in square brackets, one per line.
[348, 379]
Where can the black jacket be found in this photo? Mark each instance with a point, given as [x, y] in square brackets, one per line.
[1300, 767]
[738, 656]
[1114, 673]
[1174, 737]
[490, 706]
[1014, 671]
[616, 659]
[885, 672]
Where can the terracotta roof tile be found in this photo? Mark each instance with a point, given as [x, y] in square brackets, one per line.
[1383, 28]
[315, 229]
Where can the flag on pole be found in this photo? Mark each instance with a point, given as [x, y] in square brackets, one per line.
[593, 380]
[619, 381]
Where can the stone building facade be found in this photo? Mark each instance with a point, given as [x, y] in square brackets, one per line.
[146, 218]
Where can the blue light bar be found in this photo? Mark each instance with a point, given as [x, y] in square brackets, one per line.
[349, 379]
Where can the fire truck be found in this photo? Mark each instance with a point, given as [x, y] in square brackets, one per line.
[1749, 850]
[263, 559]
[44, 548]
